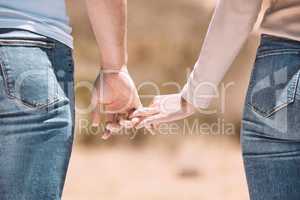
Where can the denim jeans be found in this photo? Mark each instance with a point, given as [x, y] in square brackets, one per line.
[271, 122]
[36, 116]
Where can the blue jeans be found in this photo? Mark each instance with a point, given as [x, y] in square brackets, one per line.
[36, 116]
[271, 122]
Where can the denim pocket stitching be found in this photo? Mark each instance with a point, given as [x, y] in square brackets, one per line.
[265, 114]
[290, 99]
[5, 80]
[23, 101]
[35, 106]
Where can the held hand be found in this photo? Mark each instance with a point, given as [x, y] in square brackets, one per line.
[114, 93]
[164, 108]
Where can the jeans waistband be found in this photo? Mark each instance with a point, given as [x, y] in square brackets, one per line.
[275, 43]
[12, 33]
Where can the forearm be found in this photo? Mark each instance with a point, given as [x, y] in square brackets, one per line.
[109, 22]
[232, 22]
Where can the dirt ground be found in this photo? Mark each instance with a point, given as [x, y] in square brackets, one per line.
[198, 169]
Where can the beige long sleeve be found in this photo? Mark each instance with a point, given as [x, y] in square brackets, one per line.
[232, 22]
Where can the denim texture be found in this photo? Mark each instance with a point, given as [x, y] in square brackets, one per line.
[270, 126]
[36, 117]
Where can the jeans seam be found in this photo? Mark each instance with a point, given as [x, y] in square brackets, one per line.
[5, 79]
[20, 42]
[276, 53]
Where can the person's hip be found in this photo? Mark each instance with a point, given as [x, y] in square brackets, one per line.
[36, 115]
[36, 71]
[273, 99]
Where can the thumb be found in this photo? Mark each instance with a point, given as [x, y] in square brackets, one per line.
[96, 109]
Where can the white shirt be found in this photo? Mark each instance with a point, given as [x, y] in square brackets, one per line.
[232, 22]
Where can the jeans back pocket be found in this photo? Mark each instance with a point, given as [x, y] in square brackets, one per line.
[27, 72]
[273, 83]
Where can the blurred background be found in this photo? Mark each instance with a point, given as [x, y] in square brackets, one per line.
[165, 37]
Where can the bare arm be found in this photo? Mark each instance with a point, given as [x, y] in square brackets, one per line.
[232, 22]
[108, 19]
[114, 89]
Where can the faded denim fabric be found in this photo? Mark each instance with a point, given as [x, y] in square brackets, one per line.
[271, 122]
[36, 117]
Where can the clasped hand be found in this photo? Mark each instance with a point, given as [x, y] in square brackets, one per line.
[116, 93]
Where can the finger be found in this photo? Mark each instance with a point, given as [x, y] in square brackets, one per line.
[137, 120]
[145, 112]
[155, 126]
[96, 116]
[156, 119]
[113, 127]
[130, 123]
[150, 128]
[112, 123]
[127, 123]
[107, 134]
[110, 119]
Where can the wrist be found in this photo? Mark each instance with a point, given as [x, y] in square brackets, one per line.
[113, 69]
[186, 106]
[113, 62]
